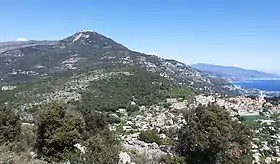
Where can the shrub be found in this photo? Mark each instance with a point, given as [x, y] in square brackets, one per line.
[150, 136]
[166, 105]
[172, 160]
[59, 128]
[132, 108]
[94, 121]
[57, 131]
[114, 119]
[211, 136]
[10, 125]
[28, 135]
[101, 148]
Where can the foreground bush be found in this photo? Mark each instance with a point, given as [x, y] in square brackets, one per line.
[100, 148]
[60, 128]
[10, 125]
[211, 136]
[57, 131]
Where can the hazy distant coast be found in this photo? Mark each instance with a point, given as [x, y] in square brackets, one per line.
[268, 84]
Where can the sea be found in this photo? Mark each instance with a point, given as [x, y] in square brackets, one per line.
[264, 85]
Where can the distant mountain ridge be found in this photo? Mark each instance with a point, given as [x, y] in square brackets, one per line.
[88, 51]
[232, 73]
[11, 45]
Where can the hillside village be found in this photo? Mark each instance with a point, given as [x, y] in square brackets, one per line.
[161, 119]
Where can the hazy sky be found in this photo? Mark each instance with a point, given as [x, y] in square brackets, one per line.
[243, 33]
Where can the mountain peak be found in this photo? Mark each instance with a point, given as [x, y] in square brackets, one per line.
[86, 31]
[84, 36]
[81, 34]
[89, 38]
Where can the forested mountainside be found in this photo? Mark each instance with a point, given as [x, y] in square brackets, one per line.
[66, 67]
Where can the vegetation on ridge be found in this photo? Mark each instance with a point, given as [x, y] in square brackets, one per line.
[140, 87]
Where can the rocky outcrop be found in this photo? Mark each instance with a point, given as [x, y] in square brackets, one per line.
[150, 150]
[124, 158]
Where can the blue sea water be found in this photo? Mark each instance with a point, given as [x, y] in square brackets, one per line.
[265, 85]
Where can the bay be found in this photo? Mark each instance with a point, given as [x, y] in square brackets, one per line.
[264, 85]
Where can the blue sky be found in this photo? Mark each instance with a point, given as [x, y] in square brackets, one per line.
[243, 33]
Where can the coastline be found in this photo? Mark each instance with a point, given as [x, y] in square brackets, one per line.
[268, 86]
[254, 80]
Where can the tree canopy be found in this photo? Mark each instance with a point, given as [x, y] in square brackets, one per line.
[211, 136]
[10, 125]
[60, 128]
